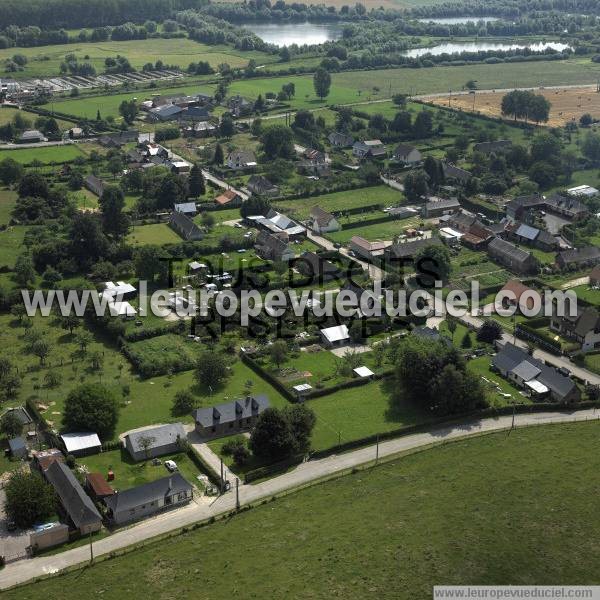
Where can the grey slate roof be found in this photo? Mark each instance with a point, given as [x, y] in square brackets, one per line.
[16, 444]
[507, 249]
[230, 412]
[75, 501]
[411, 248]
[527, 232]
[185, 226]
[579, 255]
[185, 207]
[164, 435]
[526, 371]
[512, 356]
[147, 492]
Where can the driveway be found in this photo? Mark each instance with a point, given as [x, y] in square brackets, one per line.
[210, 457]
[12, 543]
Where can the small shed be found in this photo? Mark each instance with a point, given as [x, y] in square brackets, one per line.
[363, 372]
[81, 443]
[302, 389]
[97, 486]
[18, 448]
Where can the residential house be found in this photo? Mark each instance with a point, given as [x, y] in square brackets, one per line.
[514, 259]
[532, 236]
[148, 499]
[241, 159]
[492, 147]
[323, 222]
[440, 206]
[239, 106]
[454, 173]
[519, 208]
[97, 486]
[230, 197]
[75, 133]
[155, 441]
[200, 129]
[366, 249]
[567, 206]
[120, 290]
[407, 154]
[532, 375]
[401, 253]
[475, 234]
[21, 414]
[369, 149]
[583, 327]
[94, 184]
[230, 417]
[81, 443]
[32, 136]
[187, 208]
[185, 227]
[595, 277]
[340, 139]
[578, 258]
[310, 264]
[335, 336]
[275, 247]
[514, 286]
[76, 504]
[179, 167]
[276, 222]
[166, 112]
[261, 186]
[42, 459]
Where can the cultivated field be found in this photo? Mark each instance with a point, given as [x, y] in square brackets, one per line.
[568, 104]
[516, 505]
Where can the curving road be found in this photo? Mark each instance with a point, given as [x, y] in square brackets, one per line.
[305, 474]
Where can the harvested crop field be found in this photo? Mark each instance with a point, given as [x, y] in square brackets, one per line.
[568, 103]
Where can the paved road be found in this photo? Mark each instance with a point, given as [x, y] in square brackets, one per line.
[373, 271]
[223, 184]
[306, 473]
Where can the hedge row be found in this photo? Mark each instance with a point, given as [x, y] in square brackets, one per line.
[203, 466]
[268, 470]
[543, 339]
[351, 383]
[144, 334]
[250, 362]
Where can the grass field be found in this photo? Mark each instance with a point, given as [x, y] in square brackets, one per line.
[8, 199]
[495, 509]
[340, 201]
[46, 60]
[108, 105]
[381, 231]
[568, 104]
[11, 243]
[47, 154]
[157, 233]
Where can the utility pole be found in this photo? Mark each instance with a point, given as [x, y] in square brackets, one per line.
[512, 426]
[377, 450]
[91, 550]
[237, 494]
[222, 475]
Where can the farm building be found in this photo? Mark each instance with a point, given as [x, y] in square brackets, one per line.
[155, 441]
[185, 227]
[514, 259]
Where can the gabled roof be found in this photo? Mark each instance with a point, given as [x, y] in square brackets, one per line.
[504, 248]
[75, 501]
[322, 217]
[566, 203]
[147, 493]
[226, 197]
[162, 435]
[229, 412]
[185, 226]
[338, 333]
[404, 150]
[511, 357]
[82, 440]
[408, 249]
[579, 255]
[99, 485]
[185, 207]
[454, 172]
[242, 156]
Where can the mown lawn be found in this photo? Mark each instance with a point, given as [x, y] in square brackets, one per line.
[492, 510]
[156, 233]
[8, 199]
[342, 201]
[381, 231]
[47, 154]
[129, 473]
[11, 238]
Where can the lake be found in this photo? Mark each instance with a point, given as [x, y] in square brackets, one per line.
[295, 33]
[458, 20]
[458, 47]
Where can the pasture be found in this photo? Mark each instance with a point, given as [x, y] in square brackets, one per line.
[47, 154]
[44, 61]
[568, 104]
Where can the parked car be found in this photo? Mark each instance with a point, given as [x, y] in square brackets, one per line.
[171, 465]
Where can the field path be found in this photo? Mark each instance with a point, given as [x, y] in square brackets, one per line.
[304, 474]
